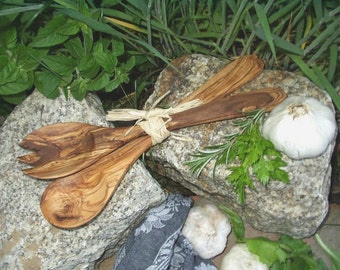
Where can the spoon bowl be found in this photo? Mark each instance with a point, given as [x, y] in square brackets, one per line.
[76, 199]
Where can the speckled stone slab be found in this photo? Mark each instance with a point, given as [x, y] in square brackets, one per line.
[296, 209]
[27, 240]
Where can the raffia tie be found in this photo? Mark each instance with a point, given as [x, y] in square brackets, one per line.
[151, 121]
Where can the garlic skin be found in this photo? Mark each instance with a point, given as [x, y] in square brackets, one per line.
[240, 258]
[300, 127]
[207, 229]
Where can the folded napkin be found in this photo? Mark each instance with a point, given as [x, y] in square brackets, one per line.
[157, 242]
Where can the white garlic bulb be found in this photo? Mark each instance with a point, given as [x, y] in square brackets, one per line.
[301, 127]
[207, 229]
[240, 258]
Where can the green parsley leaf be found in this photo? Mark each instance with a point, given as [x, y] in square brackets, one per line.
[252, 154]
[269, 251]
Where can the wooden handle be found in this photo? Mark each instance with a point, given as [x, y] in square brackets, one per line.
[228, 108]
[230, 78]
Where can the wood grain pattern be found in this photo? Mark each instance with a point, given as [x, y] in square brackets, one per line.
[96, 142]
[56, 141]
[74, 200]
[102, 156]
[229, 79]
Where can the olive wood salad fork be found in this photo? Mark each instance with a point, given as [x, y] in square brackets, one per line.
[88, 162]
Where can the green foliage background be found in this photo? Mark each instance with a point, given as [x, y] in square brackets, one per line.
[73, 47]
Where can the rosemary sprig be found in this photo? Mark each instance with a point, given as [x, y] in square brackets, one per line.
[252, 154]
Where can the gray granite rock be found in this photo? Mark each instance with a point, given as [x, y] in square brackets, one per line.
[296, 209]
[27, 240]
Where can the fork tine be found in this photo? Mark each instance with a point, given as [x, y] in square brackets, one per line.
[57, 140]
[44, 150]
[30, 159]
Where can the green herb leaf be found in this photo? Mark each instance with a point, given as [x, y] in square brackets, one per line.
[88, 67]
[55, 32]
[112, 85]
[99, 82]
[75, 47]
[15, 98]
[298, 255]
[79, 88]
[87, 38]
[251, 154]
[13, 78]
[104, 58]
[47, 83]
[236, 222]
[60, 64]
[269, 251]
[118, 47]
[8, 37]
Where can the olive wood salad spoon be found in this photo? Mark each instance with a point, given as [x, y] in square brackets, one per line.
[76, 199]
[50, 144]
[65, 148]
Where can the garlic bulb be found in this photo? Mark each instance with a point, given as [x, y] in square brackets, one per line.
[207, 229]
[240, 258]
[301, 127]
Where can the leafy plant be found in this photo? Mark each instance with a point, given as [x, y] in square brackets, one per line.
[283, 254]
[65, 55]
[286, 253]
[74, 51]
[300, 36]
[297, 36]
[17, 64]
[245, 153]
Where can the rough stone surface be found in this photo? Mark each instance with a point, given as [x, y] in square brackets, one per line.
[27, 240]
[296, 209]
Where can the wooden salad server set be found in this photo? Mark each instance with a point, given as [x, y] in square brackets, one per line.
[88, 162]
